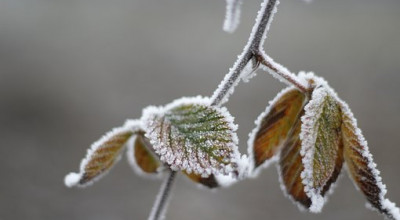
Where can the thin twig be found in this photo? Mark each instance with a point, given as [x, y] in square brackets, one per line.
[160, 205]
[281, 71]
[254, 50]
[232, 16]
[255, 41]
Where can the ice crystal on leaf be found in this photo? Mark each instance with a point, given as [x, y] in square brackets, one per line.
[192, 136]
[102, 155]
[188, 135]
[141, 158]
[321, 147]
[312, 136]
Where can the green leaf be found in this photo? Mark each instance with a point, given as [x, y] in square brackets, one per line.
[192, 136]
[321, 145]
[274, 125]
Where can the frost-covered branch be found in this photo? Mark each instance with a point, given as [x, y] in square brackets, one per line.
[255, 42]
[160, 205]
[232, 16]
[253, 51]
[282, 72]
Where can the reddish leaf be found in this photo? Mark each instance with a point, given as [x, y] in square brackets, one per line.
[291, 166]
[100, 158]
[275, 124]
[362, 169]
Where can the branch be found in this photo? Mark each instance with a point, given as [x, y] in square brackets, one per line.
[232, 16]
[160, 205]
[254, 51]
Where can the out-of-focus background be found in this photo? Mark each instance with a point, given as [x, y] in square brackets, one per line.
[70, 70]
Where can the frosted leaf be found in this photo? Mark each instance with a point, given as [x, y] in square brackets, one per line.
[140, 156]
[102, 155]
[192, 136]
[232, 16]
[249, 71]
[210, 181]
[361, 167]
[290, 168]
[321, 145]
[274, 125]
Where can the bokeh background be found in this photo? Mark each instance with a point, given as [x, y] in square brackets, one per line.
[70, 70]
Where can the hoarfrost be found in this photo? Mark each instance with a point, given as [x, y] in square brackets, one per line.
[387, 207]
[252, 135]
[230, 81]
[232, 16]
[308, 137]
[130, 154]
[249, 72]
[74, 179]
[181, 153]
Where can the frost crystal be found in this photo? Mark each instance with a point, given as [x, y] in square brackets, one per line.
[362, 169]
[272, 128]
[102, 155]
[230, 81]
[192, 136]
[321, 145]
[141, 158]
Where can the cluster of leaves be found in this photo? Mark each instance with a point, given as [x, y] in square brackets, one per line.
[187, 135]
[310, 136]
[306, 129]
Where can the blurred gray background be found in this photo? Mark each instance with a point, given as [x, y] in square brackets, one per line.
[70, 70]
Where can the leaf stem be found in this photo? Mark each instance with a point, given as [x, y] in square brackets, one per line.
[282, 72]
[254, 51]
[160, 205]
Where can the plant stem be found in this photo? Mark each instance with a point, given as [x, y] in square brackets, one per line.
[253, 44]
[254, 51]
[281, 71]
[160, 205]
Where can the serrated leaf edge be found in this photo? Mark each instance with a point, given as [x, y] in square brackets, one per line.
[150, 111]
[72, 179]
[386, 203]
[312, 113]
[254, 172]
[130, 152]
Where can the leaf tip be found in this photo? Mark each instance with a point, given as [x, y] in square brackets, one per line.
[72, 179]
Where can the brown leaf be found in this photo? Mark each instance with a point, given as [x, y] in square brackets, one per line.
[141, 157]
[209, 181]
[276, 125]
[100, 157]
[362, 168]
[291, 166]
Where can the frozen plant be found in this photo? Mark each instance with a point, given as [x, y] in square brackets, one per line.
[307, 129]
